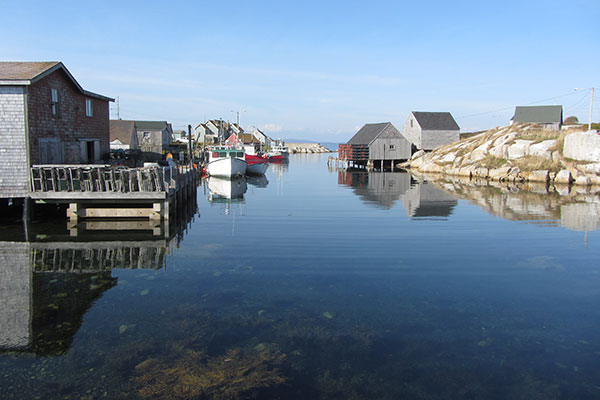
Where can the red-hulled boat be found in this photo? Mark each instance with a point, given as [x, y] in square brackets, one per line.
[256, 157]
[263, 157]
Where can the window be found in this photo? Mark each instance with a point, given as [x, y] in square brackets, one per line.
[411, 123]
[146, 135]
[392, 147]
[54, 102]
[89, 108]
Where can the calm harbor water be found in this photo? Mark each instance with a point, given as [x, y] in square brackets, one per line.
[311, 283]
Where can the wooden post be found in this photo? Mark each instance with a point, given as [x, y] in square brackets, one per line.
[190, 146]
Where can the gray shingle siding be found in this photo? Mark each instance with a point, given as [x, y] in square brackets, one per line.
[428, 130]
[14, 166]
[384, 140]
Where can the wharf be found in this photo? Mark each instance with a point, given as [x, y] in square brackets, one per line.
[98, 191]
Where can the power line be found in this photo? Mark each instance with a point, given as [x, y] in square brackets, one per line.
[512, 107]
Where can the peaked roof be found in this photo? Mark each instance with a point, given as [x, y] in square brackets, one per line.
[368, 133]
[538, 114]
[121, 130]
[27, 73]
[436, 121]
[151, 125]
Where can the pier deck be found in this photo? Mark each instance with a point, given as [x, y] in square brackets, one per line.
[95, 191]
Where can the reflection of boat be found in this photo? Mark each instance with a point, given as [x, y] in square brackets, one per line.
[258, 181]
[257, 168]
[226, 189]
[226, 161]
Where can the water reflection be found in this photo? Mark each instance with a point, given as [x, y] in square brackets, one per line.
[420, 198]
[431, 196]
[226, 190]
[52, 274]
[381, 189]
[528, 202]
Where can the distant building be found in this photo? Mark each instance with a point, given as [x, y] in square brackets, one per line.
[203, 134]
[428, 130]
[376, 144]
[154, 136]
[179, 135]
[123, 135]
[260, 136]
[550, 117]
[46, 118]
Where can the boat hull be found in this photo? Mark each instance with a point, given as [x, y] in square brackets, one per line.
[226, 167]
[257, 168]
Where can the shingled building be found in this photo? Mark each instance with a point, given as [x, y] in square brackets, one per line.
[376, 145]
[428, 130]
[46, 117]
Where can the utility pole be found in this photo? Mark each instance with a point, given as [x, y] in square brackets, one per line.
[591, 109]
[118, 109]
[591, 105]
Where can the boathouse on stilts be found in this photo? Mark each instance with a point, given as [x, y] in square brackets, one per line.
[375, 146]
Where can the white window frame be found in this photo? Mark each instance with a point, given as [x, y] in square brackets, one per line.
[89, 108]
[54, 102]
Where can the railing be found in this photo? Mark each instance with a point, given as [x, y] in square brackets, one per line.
[100, 178]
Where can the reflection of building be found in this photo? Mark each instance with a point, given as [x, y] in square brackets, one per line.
[51, 275]
[539, 203]
[381, 189]
[425, 200]
[580, 216]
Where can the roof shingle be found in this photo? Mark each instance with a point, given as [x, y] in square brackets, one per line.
[436, 121]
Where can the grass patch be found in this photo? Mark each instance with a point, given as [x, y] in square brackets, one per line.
[491, 162]
[539, 135]
[535, 163]
[470, 134]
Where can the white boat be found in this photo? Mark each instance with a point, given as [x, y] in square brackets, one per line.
[226, 162]
[257, 168]
[279, 149]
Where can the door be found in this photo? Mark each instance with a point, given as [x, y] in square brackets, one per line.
[51, 151]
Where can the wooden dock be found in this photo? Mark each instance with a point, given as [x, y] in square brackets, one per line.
[98, 191]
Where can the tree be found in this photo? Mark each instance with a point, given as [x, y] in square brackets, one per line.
[571, 120]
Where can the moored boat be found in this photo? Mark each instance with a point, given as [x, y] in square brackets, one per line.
[280, 151]
[226, 162]
[257, 167]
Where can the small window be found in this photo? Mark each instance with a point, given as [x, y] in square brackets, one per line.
[240, 154]
[54, 102]
[392, 147]
[215, 154]
[222, 154]
[146, 135]
[411, 123]
[89, 108]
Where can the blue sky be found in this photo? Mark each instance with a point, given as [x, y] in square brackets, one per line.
[317, 69]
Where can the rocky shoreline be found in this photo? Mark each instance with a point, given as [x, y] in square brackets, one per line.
[306, 148]
[518, 153]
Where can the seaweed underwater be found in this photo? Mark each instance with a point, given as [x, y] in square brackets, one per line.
[235, 375]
